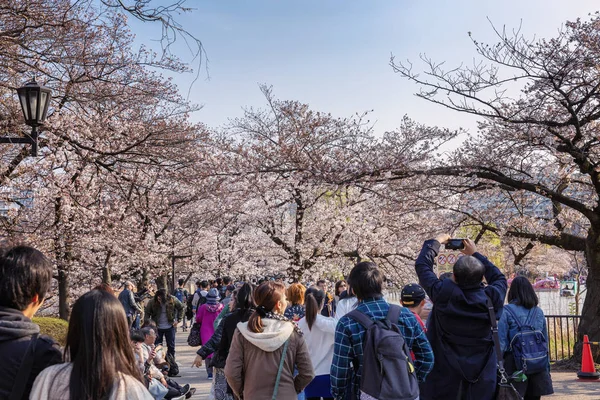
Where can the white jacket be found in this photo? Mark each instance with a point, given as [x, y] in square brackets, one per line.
[320, 342]
[344, 306]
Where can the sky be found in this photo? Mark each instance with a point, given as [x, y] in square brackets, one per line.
[334, 55]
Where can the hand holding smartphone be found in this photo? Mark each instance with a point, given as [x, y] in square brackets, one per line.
[455, 244]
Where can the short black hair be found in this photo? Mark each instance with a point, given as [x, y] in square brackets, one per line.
[323, 281]
[181, 281]
[521, 292]
[226, 280]
[204, 284]
[136, 336]
[468, 271]
[219, 281]
[24, 273]
[366, 280]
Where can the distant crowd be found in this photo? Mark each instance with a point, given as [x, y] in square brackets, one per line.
[452, 338]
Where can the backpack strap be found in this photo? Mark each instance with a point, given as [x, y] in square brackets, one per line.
[361, 318]
[512, 314]
[393, 314]
[24, 370]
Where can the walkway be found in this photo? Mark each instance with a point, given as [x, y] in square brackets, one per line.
[566, 385]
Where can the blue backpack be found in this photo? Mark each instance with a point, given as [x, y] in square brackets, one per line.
[529, 346]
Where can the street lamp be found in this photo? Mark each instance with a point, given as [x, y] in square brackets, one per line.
[34, 101]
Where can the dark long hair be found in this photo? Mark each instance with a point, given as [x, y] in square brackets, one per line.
[98, 346]
[266, 296]
[521, 292]
[243, 298]
[338, 284]
[314, 299]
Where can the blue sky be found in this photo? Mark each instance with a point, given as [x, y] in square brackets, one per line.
[334, 55]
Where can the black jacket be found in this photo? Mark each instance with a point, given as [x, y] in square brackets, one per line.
[15, 334]
[459, 330]
[220, 343]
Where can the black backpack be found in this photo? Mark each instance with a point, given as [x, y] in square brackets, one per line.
[387, 370]
[173, 367]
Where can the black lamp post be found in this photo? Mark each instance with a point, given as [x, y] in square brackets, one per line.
[173, 258]
[34, 101]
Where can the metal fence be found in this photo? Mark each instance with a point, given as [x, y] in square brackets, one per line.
[562, 335]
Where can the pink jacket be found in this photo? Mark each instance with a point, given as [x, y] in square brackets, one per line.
[206, 316]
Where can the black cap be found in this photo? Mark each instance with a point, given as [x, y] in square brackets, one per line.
[412, 294]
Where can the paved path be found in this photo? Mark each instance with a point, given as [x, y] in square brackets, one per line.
[566, 385]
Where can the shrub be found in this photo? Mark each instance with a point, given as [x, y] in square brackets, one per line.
[54, 327]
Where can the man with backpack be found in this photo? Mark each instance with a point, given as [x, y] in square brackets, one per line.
[459, 326]
[182, 296]
[371, 355]
[199, 297]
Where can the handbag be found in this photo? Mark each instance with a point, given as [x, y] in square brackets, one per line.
[505, 389]
[156, 389]
[194, 336]
[276, 388]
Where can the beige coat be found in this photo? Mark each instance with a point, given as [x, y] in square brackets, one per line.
[253, 361]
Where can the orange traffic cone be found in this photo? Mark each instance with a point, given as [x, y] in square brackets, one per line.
[588, 370]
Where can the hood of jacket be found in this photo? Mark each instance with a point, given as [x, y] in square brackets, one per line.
[15, 325]
[273, 336]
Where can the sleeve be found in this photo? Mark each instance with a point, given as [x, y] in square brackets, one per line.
[179, 308]
[195, 300]
[234, 366]
[424, 268]
[132, 303]
[306, 372]
[496, 280]
[329, 324]
[545, 333]
[341, 367]
[213, 343]
[148, 311]
[503, 332]
[420, 347]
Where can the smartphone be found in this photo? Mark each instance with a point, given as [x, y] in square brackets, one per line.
[455, 244]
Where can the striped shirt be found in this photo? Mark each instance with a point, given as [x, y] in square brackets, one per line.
[348, 348]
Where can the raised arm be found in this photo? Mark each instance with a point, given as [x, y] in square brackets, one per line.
[424, 266]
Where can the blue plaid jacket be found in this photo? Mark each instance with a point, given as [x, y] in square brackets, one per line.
[348, 348]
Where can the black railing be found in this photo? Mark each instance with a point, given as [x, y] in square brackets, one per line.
[562, 335]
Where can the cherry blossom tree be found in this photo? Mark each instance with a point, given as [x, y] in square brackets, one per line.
[533, 169]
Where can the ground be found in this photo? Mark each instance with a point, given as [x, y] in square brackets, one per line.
[566, 385]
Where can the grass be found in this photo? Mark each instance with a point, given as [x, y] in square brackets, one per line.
[54, 327]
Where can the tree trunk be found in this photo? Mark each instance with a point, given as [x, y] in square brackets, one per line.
[590, 314]
[63, 294]
[106, 272]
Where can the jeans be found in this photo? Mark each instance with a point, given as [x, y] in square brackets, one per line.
[209, 366]
[169, 334]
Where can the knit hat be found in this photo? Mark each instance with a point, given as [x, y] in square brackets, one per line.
[213, 296]
[412, 294]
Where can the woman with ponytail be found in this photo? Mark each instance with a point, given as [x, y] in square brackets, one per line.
[265, 350]
[319, 332]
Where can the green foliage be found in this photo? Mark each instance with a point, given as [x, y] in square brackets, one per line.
[492, 242]
[54, 327]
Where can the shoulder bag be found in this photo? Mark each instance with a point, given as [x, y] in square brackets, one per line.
[505, 389]
[194, 336]
[276, 389]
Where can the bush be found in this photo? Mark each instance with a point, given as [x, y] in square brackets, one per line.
[54, 327]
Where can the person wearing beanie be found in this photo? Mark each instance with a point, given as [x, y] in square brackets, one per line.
[205, 317]
[413, 298]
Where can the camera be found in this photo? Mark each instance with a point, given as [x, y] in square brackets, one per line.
[455, 244]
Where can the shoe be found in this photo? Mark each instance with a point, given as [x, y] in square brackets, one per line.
[190, 393]
[209, 376]
[185, 389]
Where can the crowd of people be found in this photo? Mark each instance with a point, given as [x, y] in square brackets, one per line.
[269, 341]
